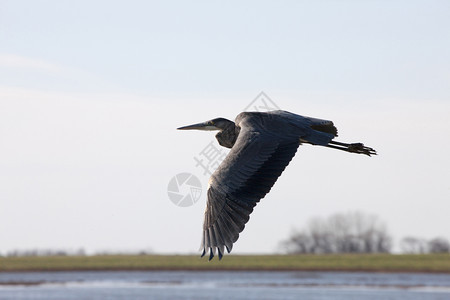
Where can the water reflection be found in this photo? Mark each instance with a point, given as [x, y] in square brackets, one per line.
[222, 285]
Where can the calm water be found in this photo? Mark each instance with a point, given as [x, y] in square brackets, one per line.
[222, 285]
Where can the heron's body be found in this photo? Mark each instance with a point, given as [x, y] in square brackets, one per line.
[262, 145]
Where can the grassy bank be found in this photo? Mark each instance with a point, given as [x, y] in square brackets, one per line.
[374, 263]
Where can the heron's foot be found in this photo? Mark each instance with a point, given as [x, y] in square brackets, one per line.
[361, 149]
[353, 148]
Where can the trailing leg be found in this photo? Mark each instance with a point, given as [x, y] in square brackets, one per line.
[353, 148]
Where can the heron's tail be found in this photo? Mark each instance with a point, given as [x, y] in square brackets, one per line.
[353, 148]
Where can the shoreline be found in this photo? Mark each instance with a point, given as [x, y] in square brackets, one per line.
[374, 263]
[388, 271]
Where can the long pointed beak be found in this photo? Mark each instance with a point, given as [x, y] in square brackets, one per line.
[199, 126]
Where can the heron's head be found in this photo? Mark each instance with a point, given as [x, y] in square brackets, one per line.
[214, 124]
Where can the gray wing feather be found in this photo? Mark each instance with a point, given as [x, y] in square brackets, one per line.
[245, 176]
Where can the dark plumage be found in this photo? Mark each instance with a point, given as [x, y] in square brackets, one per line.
[262, 145]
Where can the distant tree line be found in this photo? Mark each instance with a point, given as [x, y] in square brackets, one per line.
[355, 232]
[341, 233]
[78, 252]
[414, 245]
[45, 252]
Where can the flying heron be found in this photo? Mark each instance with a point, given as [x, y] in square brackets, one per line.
[262, 145]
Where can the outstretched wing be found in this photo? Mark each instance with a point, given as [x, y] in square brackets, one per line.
[262, 151]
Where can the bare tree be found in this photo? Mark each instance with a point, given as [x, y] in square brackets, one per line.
[439, 245]
[413, 245]
[299, 243]
[341, 233]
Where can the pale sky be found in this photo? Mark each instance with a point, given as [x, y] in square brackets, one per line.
[91, 93]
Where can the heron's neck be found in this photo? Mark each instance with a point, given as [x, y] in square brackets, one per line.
[227, 136]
